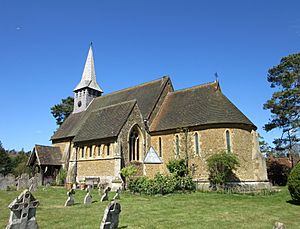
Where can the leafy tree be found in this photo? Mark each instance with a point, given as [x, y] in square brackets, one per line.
[285, 102]
[19, 163]
[5, 161]
[62, 110]
[221, 167]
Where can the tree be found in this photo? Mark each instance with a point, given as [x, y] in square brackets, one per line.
[5, 162]
[285, 102]
[62, 110]
[221, 167]
[264, 147]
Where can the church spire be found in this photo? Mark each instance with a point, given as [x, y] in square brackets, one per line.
[88, 79]
[87, 89]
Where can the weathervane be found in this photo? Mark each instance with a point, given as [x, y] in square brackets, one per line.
[217, 76]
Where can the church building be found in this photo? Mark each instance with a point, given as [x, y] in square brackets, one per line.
[146, 126]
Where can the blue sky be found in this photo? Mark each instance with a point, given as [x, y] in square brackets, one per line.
[43, 47]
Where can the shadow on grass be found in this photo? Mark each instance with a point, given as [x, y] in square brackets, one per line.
[293, 202]
[123, 227]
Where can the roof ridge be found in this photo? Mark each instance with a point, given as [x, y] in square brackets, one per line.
[195, 87]
[116, 104]
[46, 146]
[132, 87]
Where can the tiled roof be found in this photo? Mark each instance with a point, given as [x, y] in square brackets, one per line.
[46, 155]
[146, 95]
[70, 126]
[105, 122]
[200, 105]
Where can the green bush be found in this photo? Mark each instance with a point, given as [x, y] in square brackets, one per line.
[61, 177]
[177, 167]
[161, 184]
[220, 167]
[127, 172]
[294, 183]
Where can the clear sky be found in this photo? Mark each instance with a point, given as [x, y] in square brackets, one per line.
[43, 47]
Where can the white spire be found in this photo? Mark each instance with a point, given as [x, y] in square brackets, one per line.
[88, 78]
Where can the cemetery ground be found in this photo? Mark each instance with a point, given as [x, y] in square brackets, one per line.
[193, 210]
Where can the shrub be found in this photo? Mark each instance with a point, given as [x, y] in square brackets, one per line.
[61, 177]
[277, 173]
[294, 183]
[161, 184]
[127, 173]
[177, 167]
[220, 167]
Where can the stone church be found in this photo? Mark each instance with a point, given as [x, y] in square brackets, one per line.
[146, 126]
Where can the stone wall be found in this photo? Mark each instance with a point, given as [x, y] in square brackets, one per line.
[211, 141]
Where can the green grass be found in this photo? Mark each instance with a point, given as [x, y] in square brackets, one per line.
[196, 210]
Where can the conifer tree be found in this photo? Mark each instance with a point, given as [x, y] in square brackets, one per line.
[285, 102]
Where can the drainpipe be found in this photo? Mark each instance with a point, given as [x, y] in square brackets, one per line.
[186, 131]
[76, 159]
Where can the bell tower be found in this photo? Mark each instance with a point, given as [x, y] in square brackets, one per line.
[87, 89]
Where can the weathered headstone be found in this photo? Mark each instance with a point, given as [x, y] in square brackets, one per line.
[33, 184]
[39, 179]
[8, 181]
[111, 216]
[117, 195]
[88, 197]
[23, 210]
[104, 196]
[278, 225]
[74, 186]
[70, 201]
[23, 181]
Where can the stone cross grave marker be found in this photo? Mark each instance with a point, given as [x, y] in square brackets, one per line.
[23, 209]
[88, 197]
[70, 201]
[111, 216]
[105, 194]
[117, 195]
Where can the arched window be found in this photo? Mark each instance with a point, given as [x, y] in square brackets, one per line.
[228, 141]
[135, 144]
[99, 150]
[90, 151]
[159, 147]
[82, 152]
[108, 149]
[177, 145]
[197, 150]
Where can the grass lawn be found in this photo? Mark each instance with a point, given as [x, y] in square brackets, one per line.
[196, 210]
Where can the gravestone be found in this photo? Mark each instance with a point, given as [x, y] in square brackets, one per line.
[111, 216]
[33, 184]
[88, 198]
[8, 181]
[278, 225]
[105, 194]
[74, 186]
[117, 195]
[23, 210]
[70, 201]
[39, 179]
[23, 181]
